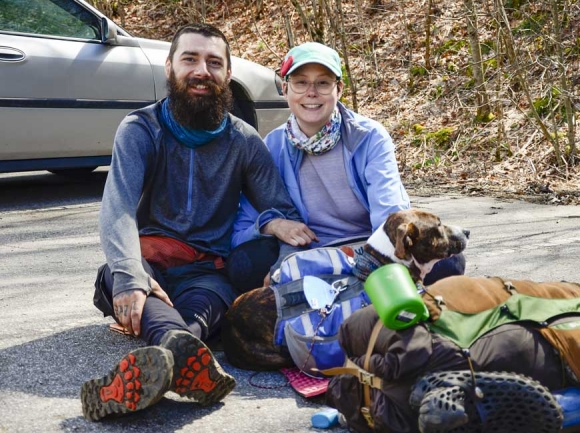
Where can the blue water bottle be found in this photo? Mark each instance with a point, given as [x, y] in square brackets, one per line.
[325, 418]
[569, 401]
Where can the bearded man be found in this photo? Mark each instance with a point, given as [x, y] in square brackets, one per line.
[169, 204]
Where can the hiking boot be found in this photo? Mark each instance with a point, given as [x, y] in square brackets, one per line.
[196, 373]
[138, 381]
[471, 402]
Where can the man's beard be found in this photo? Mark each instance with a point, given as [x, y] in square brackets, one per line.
[204, 112]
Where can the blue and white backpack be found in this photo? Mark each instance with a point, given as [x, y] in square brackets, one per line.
[315, 293]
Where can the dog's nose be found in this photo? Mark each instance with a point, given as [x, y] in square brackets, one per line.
[466, 233]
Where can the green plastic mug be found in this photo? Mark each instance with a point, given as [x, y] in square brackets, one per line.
[395, 297]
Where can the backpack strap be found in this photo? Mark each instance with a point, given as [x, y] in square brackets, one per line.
[366, 410]
[351, 368]
[367, 379]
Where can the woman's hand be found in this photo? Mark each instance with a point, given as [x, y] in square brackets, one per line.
[292, 232]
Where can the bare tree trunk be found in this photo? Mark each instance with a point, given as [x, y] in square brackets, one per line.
[499, 111]
[318, 14]
[481, 96]
[331, 16]
[314, 24]
[353, 87]
[304, 19]
[409, 50]
[259, 8]
[428, 20]
[366, 49]
[289, 33]
[202, 9]
[507, 37]
[564, 85]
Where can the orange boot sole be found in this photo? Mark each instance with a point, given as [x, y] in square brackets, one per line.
[139, 380]
[196, 373]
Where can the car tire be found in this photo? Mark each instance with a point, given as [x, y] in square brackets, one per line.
[242, 106]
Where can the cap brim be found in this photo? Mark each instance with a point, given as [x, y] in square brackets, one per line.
[306, 62]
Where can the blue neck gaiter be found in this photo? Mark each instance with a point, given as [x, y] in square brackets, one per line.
[191, 138]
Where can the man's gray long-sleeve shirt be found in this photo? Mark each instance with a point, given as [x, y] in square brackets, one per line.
[158, 186]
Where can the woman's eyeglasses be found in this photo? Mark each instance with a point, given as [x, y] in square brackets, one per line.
[323, 87]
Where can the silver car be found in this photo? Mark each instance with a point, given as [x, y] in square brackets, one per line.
[68, 76]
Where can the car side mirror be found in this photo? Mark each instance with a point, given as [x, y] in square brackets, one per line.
[108, 31]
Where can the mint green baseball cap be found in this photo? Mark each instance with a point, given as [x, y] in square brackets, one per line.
[311, 52]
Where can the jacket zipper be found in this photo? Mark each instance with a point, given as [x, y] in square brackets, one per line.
[190, 184]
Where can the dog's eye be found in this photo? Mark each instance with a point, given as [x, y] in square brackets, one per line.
[437, 233]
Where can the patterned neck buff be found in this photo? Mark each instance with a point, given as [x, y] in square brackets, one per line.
[321, 142]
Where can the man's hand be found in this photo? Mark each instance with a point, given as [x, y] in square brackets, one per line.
[292, 232]
[128, 306]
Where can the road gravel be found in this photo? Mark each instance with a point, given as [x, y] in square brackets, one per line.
[52, 339]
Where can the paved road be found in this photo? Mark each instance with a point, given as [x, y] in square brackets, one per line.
[52, 339]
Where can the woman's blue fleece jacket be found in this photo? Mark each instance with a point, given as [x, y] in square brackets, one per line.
[371, 168]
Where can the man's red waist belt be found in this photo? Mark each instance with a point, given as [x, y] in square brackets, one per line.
[164, 252]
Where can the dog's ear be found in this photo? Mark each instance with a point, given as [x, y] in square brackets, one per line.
[404, 240]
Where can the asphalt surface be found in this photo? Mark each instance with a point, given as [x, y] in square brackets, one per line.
[52, 339]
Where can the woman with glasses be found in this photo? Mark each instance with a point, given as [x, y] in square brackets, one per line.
[338, 166]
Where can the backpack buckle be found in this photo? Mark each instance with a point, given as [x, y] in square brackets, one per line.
[365, 377]
[366, 413]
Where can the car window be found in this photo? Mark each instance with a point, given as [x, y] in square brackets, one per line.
[59, 18]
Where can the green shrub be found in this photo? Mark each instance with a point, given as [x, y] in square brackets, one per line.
[428, 162]
[417, 128]
[514, 4]
[489, 64]
[487, 47]
[532, 24]
[418, 70]
[545, 105]
[440, 138]
[451, 46]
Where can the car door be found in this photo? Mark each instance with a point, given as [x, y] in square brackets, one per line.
[63, 91]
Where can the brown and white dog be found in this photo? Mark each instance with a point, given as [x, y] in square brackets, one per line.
[413, 237]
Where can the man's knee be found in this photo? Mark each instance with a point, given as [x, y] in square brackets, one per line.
[103, 299]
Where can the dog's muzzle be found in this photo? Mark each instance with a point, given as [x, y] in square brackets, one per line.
[458, 239]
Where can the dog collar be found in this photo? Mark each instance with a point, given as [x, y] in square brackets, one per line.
[366, 262]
